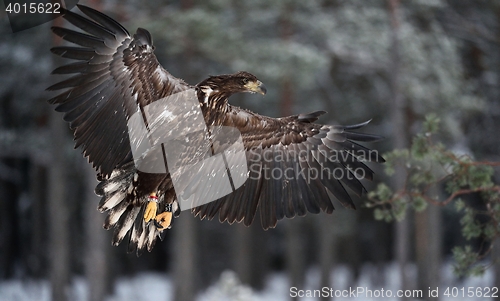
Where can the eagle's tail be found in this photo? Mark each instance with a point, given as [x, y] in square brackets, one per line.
[126, 210]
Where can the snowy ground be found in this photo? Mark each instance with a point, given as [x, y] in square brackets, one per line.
[154, 286]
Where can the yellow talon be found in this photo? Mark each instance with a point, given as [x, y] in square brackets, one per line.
[150, 211]
[151, 208]
[163, 220]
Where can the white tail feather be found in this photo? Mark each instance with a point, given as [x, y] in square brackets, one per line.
[115, 214]
[127, 224]
[114, 200]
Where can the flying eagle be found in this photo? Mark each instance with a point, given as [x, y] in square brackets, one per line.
[118, 76]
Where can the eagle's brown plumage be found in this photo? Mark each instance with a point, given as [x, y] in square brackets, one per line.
[117, 75]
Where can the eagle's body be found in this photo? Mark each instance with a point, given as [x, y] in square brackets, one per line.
[118, 76]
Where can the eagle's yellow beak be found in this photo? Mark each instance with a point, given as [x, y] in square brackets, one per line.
[256, 87]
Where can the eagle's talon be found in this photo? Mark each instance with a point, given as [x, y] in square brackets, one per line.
[162, 221]
[151, 208]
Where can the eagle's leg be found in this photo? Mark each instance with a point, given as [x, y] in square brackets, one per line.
[164, 219]
[151, 207]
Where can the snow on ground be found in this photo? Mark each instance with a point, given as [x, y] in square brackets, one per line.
[373, 284]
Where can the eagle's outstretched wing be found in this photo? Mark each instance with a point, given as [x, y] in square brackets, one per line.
[295, 166]
[116, 75]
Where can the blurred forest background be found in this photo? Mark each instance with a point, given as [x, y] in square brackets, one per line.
[388, 60]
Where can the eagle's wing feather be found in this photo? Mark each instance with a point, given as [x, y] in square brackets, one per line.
[116, 74]
[292, 164]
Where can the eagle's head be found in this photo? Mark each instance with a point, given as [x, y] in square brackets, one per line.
[229, 84]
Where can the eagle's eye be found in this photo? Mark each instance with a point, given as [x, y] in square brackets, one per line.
[245, 80]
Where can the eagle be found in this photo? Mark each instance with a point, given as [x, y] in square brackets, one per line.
[295, 165]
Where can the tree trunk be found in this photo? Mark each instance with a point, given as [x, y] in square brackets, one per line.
[58, 212]
[242, 252]
[496, 258]
[294, 240]
[184, 257]
[184, 243]
[97, 240]
[250, 253]
[400, 141]
[295, 259]
[428, 248]
[496, 242]
[435, 248]
[37, 257]
[9, 229]
[327, 249]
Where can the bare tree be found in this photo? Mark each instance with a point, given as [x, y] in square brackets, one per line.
[8, 226]
[184, 257]
[496, 260]
[97, 240]
[250, 253]
[295, 257]
[38, 249]
[242, 252]
[400, 139]
[294, 237]
[496, 254]
[59, 243]
[327, 250]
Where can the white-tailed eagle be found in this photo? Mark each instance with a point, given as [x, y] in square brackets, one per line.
[295, 165]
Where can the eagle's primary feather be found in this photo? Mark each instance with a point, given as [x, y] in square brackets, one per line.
[117, 75]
